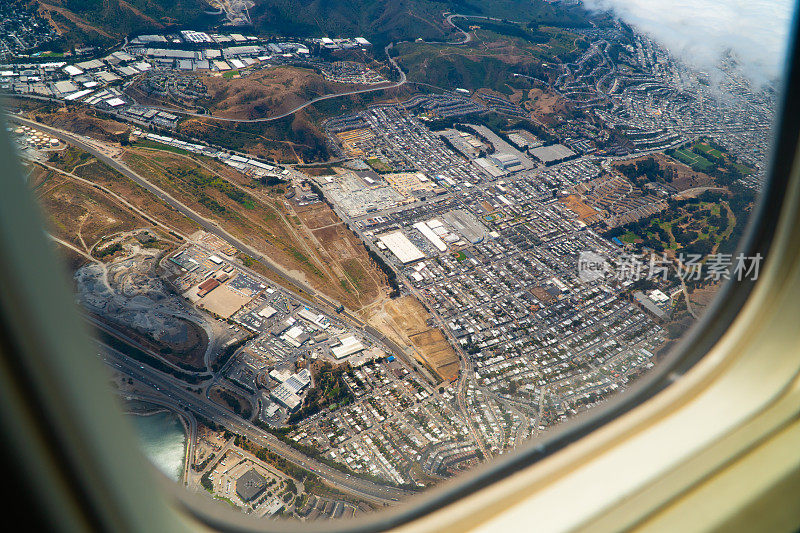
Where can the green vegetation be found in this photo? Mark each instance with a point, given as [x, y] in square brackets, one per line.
[141, 356]
[109, 20]
[300, 257]
[512, 48]
[696, 161]
[107, 251]
[237, 404]
[379, 165]
[230, 74]
[275, 460]
[707, 156]
[268, 139]
[383, 22]
[708, 151]
[226, 500]
[646, 170]
[147, 143]
[697, 226]
[199, 182]
[329, 390]
[229, 350]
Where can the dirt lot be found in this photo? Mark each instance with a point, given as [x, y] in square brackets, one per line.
[80, 214]
[84, 122]
[330, 257]
[585, 213]
[83, 165]
[404, 319]
[344, 254]
[222, 301]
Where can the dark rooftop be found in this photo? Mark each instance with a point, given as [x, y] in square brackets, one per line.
[250, 485]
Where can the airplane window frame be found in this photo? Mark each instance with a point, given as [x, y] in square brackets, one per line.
[691, 348]
[24, 367]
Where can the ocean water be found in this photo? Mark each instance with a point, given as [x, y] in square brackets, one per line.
[162, 440]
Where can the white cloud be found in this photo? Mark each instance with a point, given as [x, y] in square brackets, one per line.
[700, 31]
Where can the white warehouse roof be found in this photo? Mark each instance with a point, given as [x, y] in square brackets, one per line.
[401, 247]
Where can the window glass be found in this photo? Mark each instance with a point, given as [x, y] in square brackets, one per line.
[334, 257]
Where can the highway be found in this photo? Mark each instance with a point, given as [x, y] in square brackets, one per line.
[357, 486]
[212, 227]
[187, 419]
[208, 225]
[175, 392]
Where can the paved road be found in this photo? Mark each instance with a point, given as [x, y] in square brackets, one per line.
[294, 110]
[250, 430]
[208, 225]
[212, 227]
[175, 391]
[467, 35]
[187, 417]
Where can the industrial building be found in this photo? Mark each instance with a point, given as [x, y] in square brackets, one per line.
[426, 228]
[552, 153]
[207, 286]
[401, 247]
[506, 161]
[250, 485]
[348, 345]
[467, 225]
[286, 397]
[654, 303]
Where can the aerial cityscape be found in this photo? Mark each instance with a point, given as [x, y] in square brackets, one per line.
[347, 258]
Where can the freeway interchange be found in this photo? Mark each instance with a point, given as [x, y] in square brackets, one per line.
[172, 391]
[98, 150]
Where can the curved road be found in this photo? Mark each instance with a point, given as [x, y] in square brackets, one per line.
[183, 414]
[185, 400]
[303, 105]
[213, 227]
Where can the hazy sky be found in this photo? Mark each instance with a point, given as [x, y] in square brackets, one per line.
[700, 30]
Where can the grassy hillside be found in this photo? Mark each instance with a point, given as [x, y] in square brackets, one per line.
[103, 21]
[496, 51]
[383, 22]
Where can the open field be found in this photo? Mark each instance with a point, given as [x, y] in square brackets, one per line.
[335, 264]
[542, 104]
[405, 320]
[707, 156]
[495, 51]
[708, 150]
[266, 92]
[343, 253]
[696, 161]
[85, 166]
[682, 176]
[79, 214]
